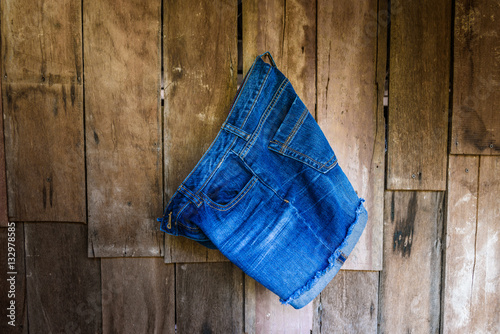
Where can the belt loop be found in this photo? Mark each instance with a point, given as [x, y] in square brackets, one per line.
[267, 53]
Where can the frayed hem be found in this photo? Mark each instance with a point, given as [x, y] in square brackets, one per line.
[338, 257]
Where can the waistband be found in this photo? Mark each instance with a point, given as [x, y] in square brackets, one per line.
[246, 116]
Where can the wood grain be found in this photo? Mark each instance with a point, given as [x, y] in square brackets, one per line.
[44, 151]
[63, 285]
[4, 218]
[200, 68]
[42, 105]
[411, 276]
[265, 314]
[348, 304]
[418, 95]
[41, 41]
[472, 294]
[476, 78]
[288, 30]
[138, 296]
[209, 298]
[123, 127]
[13, 290]
[350, 109]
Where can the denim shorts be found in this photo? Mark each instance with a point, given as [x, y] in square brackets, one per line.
[269, 193]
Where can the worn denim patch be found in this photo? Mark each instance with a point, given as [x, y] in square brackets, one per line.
[269, 193]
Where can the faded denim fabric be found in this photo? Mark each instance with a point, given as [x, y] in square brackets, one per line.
[269, 193]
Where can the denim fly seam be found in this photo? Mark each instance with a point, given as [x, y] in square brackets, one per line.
[269, 193]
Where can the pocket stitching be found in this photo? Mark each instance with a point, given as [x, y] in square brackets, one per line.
[283, 147]
[295, 129]
[235, 200]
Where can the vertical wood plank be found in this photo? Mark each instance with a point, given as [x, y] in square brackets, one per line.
[463, 178]
[138, 296]
[486, 275]
[265, 314]
[3, 180]
[123, 127]
[41, 41]
[472, 288]
[42, 105]
[288, 30]
[63, 285]
[349, 304]
[411, 275]
[349, 112]
[209, 298]
[200, 68]
[418, 95]
[13, 278]
[476, 78]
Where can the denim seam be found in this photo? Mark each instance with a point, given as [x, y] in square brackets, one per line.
[224, 156]
[257, 97]
[178, 215]
[262, 181]
[263, 119]
[234, 130]
[189, 194]
[241, 89]
[235, 201]
[322, 165]
[295, 129]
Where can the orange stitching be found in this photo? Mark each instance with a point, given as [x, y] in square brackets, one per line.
[295, 129]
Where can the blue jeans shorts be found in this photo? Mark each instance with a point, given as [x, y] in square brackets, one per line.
[269, 193]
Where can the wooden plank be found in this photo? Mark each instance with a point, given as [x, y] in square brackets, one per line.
[42, 105]
[349, 304]
[44, 124]
[418, 95]
[411, 275]
[288, 30]
[209, 298]
[123, 127]
[476, 78]
[138, 296]
[63, 285]
[200, 68]
[472, 294]
[350, 109]
[3, 179]
[13, 278]
[41, 41]
[265, 314]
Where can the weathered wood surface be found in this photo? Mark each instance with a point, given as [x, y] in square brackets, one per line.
[476, 78]
[349, 304]
[348, 110]
[63, 285]
[200, 69]
[287, 29]
[265, 314]
[411, 275]
[209, 298]
[17, 292]
[3, 180]
[472, 285]
[42, 105]
[418, 95]
[44, 151]
[138, 296]
[41, 41]
[123, 127]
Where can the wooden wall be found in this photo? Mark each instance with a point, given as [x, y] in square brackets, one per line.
[107, 105]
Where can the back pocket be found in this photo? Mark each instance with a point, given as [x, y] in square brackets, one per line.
[229, 183]
[299, 137]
